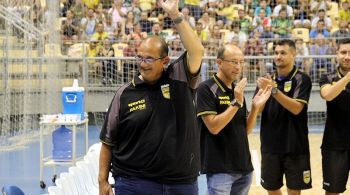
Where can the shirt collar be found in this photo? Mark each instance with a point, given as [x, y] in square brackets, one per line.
[288, 77]
[339, 74]
[221, 84]
[137, 82]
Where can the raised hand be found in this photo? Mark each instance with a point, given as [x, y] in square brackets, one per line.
[171, 7]
[262, 96]
[239, 90]
[263, 82]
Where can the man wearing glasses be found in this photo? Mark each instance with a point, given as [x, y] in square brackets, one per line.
[226, 123]
[150, 135]
[284, 130]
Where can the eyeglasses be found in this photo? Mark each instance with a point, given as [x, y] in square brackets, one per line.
[147, 60]
[234, 62]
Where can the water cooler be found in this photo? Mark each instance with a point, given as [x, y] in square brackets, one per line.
[73, 100]
[62, 144]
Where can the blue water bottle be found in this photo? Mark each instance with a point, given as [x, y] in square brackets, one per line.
[62, 144]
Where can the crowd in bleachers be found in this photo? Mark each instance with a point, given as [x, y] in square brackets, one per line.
[218, 21]
[115, 28]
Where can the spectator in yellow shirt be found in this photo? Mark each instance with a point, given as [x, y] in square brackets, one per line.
[202, 34]
[147, 5]
[227, 11]
[100, 34]
[344, 13]
[91, 4]
[92, 52]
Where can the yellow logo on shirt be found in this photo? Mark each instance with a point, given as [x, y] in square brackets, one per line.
[165, 91]
[137, 105]
[287, 86]
[224, 100]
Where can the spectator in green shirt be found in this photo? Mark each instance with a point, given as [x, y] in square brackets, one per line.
[282, 25]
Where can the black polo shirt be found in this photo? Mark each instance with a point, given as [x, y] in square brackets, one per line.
[153, 129]
[228, 151]
[281, 131]
[337, 130]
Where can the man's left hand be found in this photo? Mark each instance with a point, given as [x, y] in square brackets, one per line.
[262, 96]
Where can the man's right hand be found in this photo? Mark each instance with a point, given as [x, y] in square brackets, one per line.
[264, 82]
[105, 188]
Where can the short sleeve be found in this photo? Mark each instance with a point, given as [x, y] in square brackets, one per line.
[109, 129]
[324, 80]
[205, 100]
[303, 88]
[178, 70]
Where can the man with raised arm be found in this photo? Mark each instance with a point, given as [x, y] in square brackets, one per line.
[150, 135]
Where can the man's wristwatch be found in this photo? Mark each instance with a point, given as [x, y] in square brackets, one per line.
[274, 90]
[236, 103]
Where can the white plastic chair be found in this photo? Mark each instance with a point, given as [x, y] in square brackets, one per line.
[85, 187]
[92, 167]
[87, 178]
[54, 190]
[79, 181]
[96, 148]
[93, 158]
[68, 183]
[60, 184]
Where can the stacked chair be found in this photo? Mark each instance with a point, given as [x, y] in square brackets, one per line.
[81, 179]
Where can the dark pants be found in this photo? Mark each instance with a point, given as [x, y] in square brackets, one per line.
[134, 186]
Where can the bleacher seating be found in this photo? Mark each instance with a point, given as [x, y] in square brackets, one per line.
[118, 35]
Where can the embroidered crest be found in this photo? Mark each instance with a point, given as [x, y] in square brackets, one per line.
[165, 91]
[307, 176]
[287, 86]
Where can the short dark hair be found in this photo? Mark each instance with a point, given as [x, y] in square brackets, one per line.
[343, 41]
[288, 42]
[235, 24]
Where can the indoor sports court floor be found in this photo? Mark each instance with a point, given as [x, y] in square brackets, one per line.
[21, 167]
[315, 140]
